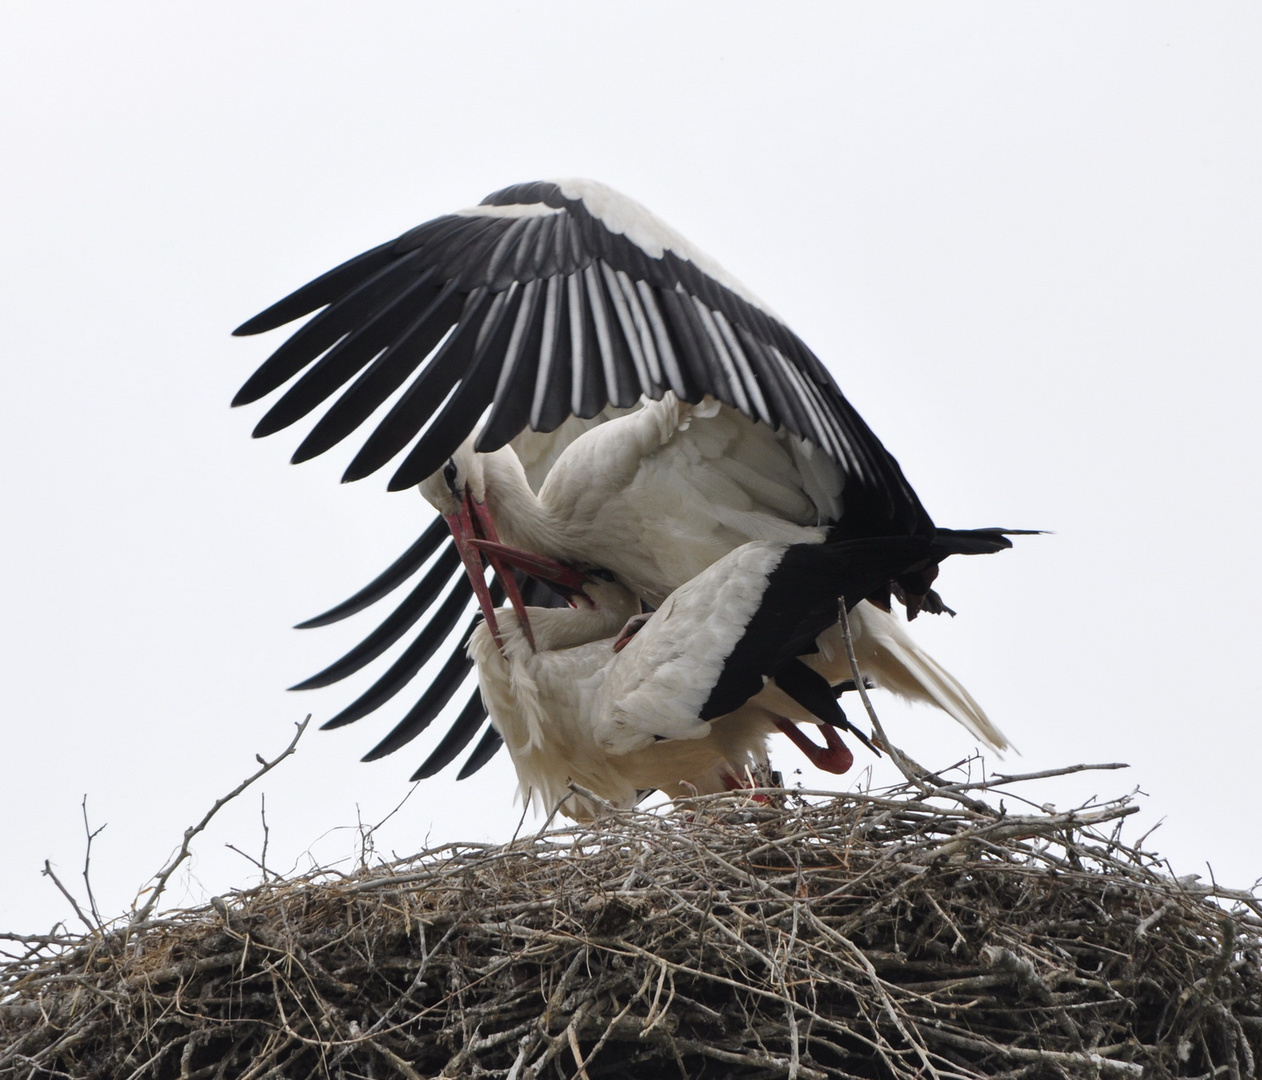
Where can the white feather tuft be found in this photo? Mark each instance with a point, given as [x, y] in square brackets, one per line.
[895, 662]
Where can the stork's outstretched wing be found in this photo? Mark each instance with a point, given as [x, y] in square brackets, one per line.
[548, 300]
[442, 591]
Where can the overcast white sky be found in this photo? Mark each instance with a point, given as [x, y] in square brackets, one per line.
[1026, 238]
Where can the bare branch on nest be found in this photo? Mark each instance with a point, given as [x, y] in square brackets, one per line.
[91, 834]
[164, 875]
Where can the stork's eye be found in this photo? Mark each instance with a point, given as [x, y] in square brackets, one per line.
[603, 574]
[449, 475]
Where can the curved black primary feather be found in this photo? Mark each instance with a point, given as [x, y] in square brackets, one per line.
[554, 299]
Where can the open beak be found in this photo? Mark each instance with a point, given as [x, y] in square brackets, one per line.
[470, 526]
[564, 579]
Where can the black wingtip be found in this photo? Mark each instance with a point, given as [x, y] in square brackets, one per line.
[319, 292]
[483, 752]
[976, 541]
[251, 390]
[466, 725]
[305, 453]
[392, 576]
[428, 769]
[265, 427]
[397, 483]
[250, 327]
[278, 314]
[361, 466]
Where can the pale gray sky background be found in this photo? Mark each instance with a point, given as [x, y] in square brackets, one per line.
[1026, 238]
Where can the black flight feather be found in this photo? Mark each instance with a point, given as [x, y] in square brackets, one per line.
[428, 390]
[323, 290]
[399, 621]
[482, 753]
[427, 707]
[407, 665]
[389, 579]
[458, 736]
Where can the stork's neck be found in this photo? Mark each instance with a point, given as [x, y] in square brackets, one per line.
[520, 518]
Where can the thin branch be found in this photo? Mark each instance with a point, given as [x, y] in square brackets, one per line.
[913, 775]
[266, 833]
[164, 875]
[87, 860]
[1013, 778]
[367, 846]
[48, 872]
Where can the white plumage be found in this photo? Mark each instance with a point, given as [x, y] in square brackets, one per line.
[571, 709]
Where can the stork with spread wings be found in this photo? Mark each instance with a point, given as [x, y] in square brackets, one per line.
[571, 380]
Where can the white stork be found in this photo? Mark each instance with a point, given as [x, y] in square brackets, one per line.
[659, 495]
[574, 705]
[548, 305]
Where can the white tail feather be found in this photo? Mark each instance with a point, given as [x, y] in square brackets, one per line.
[894, 661]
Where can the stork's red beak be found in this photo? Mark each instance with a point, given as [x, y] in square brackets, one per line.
[563, 578]
[470, 526]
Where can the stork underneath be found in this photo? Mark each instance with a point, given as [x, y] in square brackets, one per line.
[687, 705]
[560, 706]
[601, 697]
[659, 495]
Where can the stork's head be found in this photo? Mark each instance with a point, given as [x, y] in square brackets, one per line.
[458, 492]
[593, 588]
[460, 482]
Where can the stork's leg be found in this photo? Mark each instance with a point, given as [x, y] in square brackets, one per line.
[731, 782]
[833, 756]
[633, 626]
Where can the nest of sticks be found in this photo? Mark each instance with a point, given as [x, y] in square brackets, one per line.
[923, 931]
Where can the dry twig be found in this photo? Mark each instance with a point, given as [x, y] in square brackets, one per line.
[164, 875]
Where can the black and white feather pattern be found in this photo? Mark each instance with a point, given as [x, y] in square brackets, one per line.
[548, 300]
[792, 598]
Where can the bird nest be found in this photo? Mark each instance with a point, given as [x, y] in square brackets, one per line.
[919, 931]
